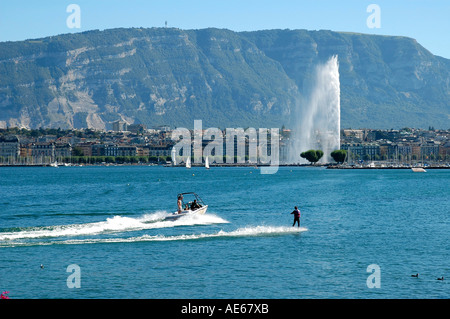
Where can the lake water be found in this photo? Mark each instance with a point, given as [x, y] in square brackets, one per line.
[108, 222]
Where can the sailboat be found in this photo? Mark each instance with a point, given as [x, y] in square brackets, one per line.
[188, 162]
[207, 162]
[174, 157]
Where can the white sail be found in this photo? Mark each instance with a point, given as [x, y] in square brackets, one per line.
[207, 162]
[188, 162]
[174, 157]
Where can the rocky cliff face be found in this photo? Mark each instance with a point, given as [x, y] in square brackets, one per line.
[227, 79]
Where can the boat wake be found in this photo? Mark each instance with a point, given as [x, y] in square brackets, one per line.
[240, 232]
[111, 225]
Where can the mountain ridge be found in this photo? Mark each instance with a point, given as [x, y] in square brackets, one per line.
[171, 76]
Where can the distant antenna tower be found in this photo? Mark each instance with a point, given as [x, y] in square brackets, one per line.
[166, 24]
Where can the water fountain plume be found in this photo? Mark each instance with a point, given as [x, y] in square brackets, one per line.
[318, 117]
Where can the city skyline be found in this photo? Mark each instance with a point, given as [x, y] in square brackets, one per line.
[47, 146]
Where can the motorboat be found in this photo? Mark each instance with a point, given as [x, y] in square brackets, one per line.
[193, 205]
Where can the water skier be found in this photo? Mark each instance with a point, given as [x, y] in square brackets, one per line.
[296, 213]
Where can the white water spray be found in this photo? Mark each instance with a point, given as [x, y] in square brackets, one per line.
[318, 119]
[111, 225]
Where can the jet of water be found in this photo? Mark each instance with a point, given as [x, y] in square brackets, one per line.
[318, 118]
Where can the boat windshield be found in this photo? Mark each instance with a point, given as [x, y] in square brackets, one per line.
[190, 200]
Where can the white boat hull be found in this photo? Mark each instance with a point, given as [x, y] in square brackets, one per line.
[176, 215]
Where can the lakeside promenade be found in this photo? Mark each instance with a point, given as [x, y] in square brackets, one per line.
[248, 165]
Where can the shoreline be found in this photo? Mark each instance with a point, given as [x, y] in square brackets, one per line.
[389, 167]
[327, 166]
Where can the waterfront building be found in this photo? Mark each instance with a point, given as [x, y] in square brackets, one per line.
[402, 150]
[25, 150]
[430, 150]
[415, 150]
[9, 146]
[86, 148]
[63, 150]
[142, 150]
[362, 150]
[384, 148]
[98, 149]
[159, 149]
[120, 150]
[372, 150]
[444, 150]
[43, 152]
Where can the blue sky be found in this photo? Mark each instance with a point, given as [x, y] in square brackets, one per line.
[427, 21]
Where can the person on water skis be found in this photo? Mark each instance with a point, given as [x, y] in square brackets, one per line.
[296, 214]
